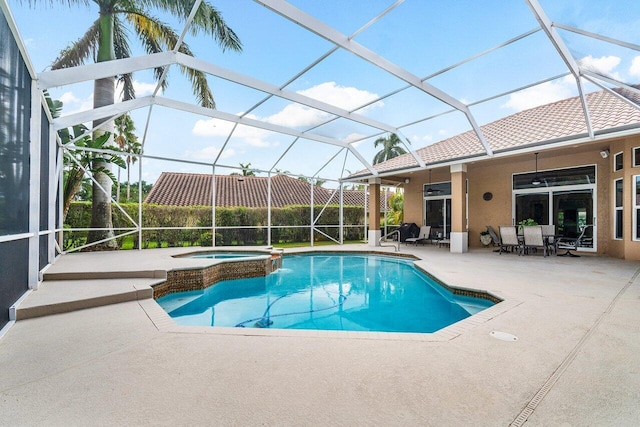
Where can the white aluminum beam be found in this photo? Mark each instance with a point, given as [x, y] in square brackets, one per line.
[565, 54]
[597, 36]
[235, 77]
[611, 81]
[334, 36]
[102, 112]
[613, 92]
[90, 72]
[208, 112]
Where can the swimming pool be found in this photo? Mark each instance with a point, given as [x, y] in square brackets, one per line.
[225, 255]
[354, 292]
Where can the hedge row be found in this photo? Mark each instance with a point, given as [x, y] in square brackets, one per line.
[162, 216]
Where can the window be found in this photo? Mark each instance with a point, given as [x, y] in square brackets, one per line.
[636, 157]
[556, 178]
[618, 161]
[636, 208]
[617, 218]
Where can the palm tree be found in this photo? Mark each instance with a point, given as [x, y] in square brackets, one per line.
[390, 148]
[107, 39]
[127, 140]
[77, 160]
[395, 215]
[246, 171]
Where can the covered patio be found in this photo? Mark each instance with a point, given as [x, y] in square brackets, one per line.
[574, 362]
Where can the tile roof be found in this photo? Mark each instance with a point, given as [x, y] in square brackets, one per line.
[191, 189]
[539, 125]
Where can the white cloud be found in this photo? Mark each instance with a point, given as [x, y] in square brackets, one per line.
[634, 70]
[254, 137]
[209, 153]
[443, 132]
[143, 88]
[140, 88]
[603, 65]
[347, 98]
[71, 104]
[541, 94]
[296, 115]
[68, 98]
[292, 115]
[548, 92]
[355, 137]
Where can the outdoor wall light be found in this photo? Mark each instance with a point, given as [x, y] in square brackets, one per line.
[605, 153]
[406, 180]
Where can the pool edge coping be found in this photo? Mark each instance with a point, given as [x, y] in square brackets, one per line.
[164, 323]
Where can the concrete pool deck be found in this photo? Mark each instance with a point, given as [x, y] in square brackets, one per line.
[576, 360]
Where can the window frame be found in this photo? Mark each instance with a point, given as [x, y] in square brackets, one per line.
[618, 210]
[615, 161]
[633, 158]
[636, 208]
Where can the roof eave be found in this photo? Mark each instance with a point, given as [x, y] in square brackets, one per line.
[582, 138]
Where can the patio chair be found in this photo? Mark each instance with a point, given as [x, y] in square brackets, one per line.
[533, 239]
[571, 243]
[423, 235]
[549, 235]
[508, 239]
[494, 237]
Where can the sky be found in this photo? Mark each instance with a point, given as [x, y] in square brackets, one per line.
[423, 37]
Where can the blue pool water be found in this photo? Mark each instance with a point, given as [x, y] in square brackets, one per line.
[328, 292]
[226, 255]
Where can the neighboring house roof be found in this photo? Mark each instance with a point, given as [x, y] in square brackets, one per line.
[540, 125]
[191, 189]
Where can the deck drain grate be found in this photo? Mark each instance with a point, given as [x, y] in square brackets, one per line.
[504, 336]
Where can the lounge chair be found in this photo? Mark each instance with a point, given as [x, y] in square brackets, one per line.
[571, 243]
[508, 239]
[494, 237]
[533, 239]
[423, 236]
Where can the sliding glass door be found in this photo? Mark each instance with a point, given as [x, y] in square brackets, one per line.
[533, 206]
[565, 198]
[438, 215]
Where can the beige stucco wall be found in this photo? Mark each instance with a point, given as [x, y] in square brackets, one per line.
[626, 248]
[495, 176]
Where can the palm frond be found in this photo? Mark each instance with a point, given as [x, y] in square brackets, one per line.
[123, 50]
[54, 2]
[154, 35]
[209, 20]
[76, 53]
[199, 83]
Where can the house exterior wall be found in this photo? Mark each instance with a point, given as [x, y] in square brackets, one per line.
[495, 176]
[627, 247]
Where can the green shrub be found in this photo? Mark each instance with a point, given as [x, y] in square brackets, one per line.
[285, 222]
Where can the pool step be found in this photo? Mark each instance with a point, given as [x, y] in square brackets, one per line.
[93, 275]
[63, 296]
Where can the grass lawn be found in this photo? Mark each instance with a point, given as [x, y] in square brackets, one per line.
[128, 244]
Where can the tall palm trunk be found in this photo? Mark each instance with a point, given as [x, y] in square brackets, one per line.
[103, 94]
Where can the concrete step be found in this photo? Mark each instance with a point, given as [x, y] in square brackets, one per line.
[63, 296]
